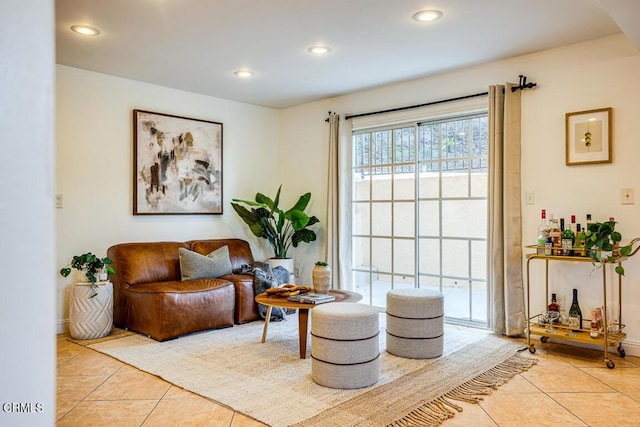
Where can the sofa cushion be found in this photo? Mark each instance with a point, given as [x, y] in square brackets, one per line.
[138, 263]
[239, 250]
[166, 310]
[196, 266]
[181, 286]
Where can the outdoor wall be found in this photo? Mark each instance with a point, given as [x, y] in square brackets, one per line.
[94, 148]
[596, 74]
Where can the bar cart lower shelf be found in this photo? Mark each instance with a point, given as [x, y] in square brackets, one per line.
[564, 333]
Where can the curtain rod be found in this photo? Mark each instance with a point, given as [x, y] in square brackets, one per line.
[391, 110]
[521, 86]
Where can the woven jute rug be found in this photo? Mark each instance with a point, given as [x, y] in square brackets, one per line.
[270, 383]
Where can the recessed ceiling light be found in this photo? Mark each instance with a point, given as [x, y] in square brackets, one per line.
[427, 15]
[319, 50]
[244, 74]
[85, 30]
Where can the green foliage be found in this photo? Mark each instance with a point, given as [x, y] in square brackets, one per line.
[322, 263]
[601, 237]
[282, 229]
[90, 263]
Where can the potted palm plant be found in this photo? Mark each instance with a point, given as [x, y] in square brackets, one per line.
[282, 229]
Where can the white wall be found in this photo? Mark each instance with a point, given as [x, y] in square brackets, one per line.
[94, 145]
[597, 74]
[27, 359]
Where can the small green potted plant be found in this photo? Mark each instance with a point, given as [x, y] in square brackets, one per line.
[603, 244]
[91, 266]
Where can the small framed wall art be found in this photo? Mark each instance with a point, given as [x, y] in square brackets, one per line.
[588, 137]
[177, 165]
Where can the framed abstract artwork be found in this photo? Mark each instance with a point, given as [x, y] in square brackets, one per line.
[588, 137]
[177, 165]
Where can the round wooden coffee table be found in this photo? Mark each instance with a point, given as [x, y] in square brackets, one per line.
[303, 312]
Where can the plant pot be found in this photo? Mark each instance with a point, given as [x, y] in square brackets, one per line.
[321, 278]
[282, 262]
[90, 317]
[81, 276]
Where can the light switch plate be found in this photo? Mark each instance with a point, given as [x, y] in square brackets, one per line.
[530, 198]
[627, 196]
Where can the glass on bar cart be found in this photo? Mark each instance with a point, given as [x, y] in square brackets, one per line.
[596, 323]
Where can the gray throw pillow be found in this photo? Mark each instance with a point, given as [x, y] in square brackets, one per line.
[196, 266]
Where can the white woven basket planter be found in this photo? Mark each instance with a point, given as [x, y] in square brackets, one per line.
[91, 318]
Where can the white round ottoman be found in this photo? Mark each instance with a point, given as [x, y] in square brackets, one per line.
[345, 350]
[415, 323]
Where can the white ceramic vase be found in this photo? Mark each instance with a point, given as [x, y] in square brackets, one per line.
[282, 262]
[321, 277]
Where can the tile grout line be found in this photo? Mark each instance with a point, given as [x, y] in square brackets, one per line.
[84, 399]
[550, 352]
[582, 369]
[157, 403]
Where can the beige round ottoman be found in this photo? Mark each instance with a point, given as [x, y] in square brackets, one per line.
[345, 348]
[415, 323]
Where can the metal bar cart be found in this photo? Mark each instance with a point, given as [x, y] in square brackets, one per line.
[611, 336]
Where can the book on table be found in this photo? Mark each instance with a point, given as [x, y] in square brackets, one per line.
[311, 298]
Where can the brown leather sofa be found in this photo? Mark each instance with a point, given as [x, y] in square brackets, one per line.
[151, 298]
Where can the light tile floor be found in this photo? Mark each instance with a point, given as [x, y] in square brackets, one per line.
[568, 387]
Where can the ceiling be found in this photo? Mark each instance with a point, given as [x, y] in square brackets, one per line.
[196, 45]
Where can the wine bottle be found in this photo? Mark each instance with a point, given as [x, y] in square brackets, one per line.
[543, 232]
[554, 310]
[575, 312]
[573, 226]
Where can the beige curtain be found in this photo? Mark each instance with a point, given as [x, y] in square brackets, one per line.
[505, 216]
[338, 246]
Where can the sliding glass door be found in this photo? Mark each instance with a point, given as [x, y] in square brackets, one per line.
[419, 208]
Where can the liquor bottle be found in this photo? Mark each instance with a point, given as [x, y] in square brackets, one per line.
[575, 312]
[616, 245]
[574, 226]
[554, 310]
[588, 221]
[555, 234]
[579, 241]
[567, 242]
[543, 232]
